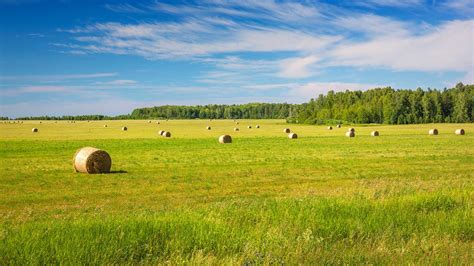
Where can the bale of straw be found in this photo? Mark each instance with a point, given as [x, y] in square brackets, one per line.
[34, 130]
[374, 133]
[92, 161]
[257, 126]
[225, 139]
[459, 131]
[433, 132]
[292, 136]
[124, 128]
[236, 129]
[161, 132]
[249, 127]
[236, 123]
[166, 134]
[286, 130]
[105, 125]
[351, 129]
[158, 122]
[208, 128]
[330, 127]
[149, 122]
[350, 134]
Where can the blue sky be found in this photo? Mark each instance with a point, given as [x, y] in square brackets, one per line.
[70, 57]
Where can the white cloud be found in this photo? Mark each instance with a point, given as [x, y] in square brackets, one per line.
[117, 82]
[389, 3]
[297, 67]
[446, 48]
[465, 6]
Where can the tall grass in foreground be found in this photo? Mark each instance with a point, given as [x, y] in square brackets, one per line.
[420, 228]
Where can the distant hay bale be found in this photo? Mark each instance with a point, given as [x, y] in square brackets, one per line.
[257, 126]
[338, 126]
[249, 127]
[236, 123]
[158, 122]
[292, 136]
[124, 128]
[161, 132]
[459, 131]
[149, 122]
[236, 129]
[433, 132]
[41, 122]
[350, 134]
[351, 129]
[375, 133]
[225, 139]
[286, 130]
[330, 127]
[34, 130]
[166, 134]
[92, 161]
[105, 125]
[208, 128]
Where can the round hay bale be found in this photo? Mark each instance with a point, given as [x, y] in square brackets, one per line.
[225, 139]
[34, 130]
[41, 122]
[166, 134]
[149, 122]
[292, 136]
[249, 127]
[329, 127]
[158, 122]
[236, 129]
[375, 133]
[433, 132]
[338, 126]
[286, 130]
[350, 134]
[236, 123]
[124, 128]
[459, 131]
[161, 132]
[351, 129]
[257, 126]
[92, 161]
[105, 125]
[208, 128]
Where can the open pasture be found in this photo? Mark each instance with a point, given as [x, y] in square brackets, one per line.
[402, 197]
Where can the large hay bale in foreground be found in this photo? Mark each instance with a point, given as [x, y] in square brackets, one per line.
[208, 128]
[34, 130]
[92, 161]
[433, 132]
[236, 129]
[459, 131]
[351, 129]
[286, 130]
[292, 136]
[225, 139]
[375, 133]
[350, 134]
[166, 134]
[330, 127]
[124, 128]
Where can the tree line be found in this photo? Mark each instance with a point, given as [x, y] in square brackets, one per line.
[379, 105]
[389, 106]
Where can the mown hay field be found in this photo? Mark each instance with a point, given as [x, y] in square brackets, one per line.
[323, 198]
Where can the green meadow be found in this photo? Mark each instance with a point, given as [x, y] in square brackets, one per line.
[401, 198]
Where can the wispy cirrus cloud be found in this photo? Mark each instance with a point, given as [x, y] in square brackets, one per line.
[58, 77]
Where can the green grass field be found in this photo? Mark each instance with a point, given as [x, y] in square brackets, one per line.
[404, 197]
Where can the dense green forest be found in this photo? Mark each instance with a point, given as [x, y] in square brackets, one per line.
[219, 111]
[389, 106]
[380, 105]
